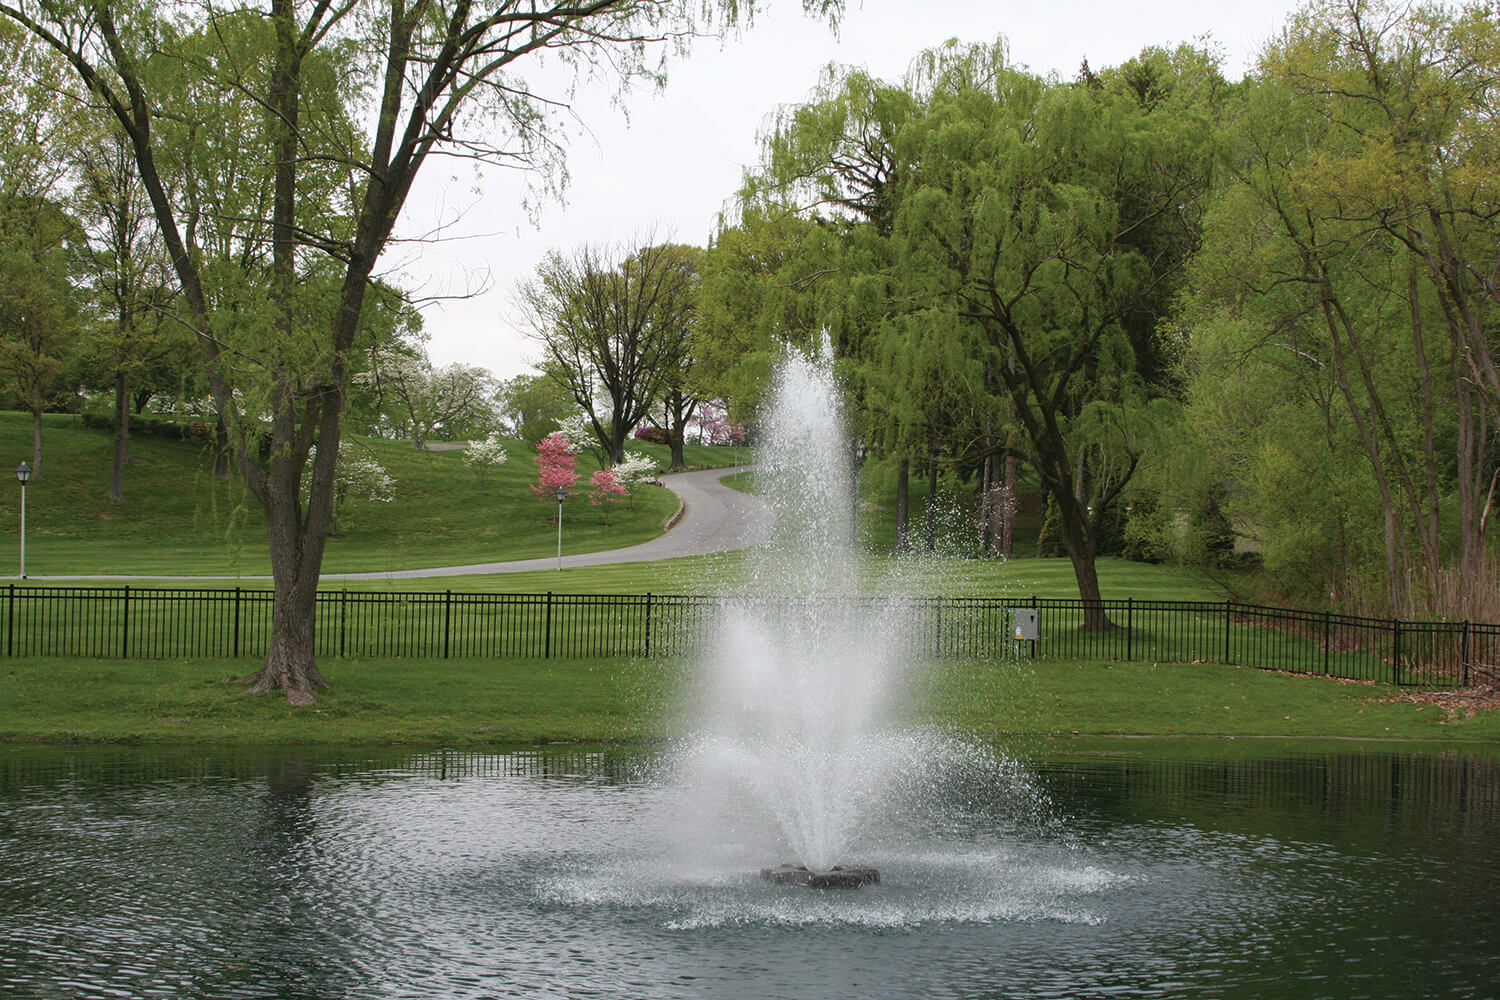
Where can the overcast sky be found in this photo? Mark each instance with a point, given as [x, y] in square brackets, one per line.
[671, 168]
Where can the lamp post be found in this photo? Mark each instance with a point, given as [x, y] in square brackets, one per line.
[23, 476]
[562, 494]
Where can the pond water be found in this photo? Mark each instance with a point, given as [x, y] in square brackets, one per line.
[1132, 868]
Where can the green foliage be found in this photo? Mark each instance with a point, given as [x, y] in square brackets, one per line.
[759, 293]
[1049, 543]
[1211, 531]
[1340, 336]
[991, 253]
[533, 406]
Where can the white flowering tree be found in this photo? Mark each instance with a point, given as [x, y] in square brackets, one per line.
[359, 479]
[426, 398]
[636, 469]
[485, 456]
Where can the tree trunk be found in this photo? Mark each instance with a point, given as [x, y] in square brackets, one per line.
[929, 541]
[221, 450]
[854, 464]
[300, 416]
[903, 506]
[1008, 512]
[290, 666]
[986, 501]
[122, 438]
[1077, 539]
[674, 441]
[36, 444]
[616, 441]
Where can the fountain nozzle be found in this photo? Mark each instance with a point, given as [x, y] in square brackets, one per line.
[837, 877]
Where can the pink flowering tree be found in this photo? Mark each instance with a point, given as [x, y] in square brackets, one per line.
[556, 464]
[715, 427]
[605, 491]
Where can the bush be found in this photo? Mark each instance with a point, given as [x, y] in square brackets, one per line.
[155, 424]
[1049, 541]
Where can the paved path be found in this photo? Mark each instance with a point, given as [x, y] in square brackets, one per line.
[713, 518]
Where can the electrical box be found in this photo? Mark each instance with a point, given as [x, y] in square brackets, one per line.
[1025, 624]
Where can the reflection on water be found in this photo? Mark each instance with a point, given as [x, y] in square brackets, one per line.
[1139, 868]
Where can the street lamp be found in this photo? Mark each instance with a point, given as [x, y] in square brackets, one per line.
[562, 494]
[23, 476]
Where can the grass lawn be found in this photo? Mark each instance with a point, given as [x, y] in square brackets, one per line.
[468, 702]
[728, 573]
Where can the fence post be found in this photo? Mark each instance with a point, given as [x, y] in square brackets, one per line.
[447, 619]
[1463, 652]
[10, 623]
[547, 642]
[1129, 629]
[125, 627]
[343, 618]
[1327, 639]
[1227, 660]
[236, 622]
[648, 623]
[1395, 651]
[937, 638]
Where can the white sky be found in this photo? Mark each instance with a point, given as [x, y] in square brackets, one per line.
[670, 170]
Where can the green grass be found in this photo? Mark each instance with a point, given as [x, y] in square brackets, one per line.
[468, 702]
[1118, 698]
[371, 701]
[177, 519]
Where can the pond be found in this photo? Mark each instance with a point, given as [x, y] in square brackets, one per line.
[1142, 868]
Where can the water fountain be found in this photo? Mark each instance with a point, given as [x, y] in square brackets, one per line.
[796, 712]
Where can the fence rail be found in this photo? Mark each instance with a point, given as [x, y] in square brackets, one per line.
[125, 622]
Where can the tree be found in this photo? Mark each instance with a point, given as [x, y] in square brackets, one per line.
[758, 294]
[39, 309]
[485, 456]
[604, 491]
[1351, 256]
[451, 399]
[556, 466]
[361, 479]
[339, 107]
[1047, 224]
[530, 406]
[132, 340]
[614, 328]
[635, 470]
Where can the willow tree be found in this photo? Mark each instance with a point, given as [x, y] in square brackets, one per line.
[1048, 222]
[365, 91]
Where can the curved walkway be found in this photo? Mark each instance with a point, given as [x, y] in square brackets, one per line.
[712, 518]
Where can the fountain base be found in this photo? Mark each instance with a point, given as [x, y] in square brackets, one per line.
[837, 877]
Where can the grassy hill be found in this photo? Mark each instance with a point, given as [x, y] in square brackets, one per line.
[178, 519]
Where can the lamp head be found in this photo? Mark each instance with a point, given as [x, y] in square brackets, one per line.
[562, 494]
[23, 473]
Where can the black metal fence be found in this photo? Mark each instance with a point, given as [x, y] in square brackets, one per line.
[128, 622]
